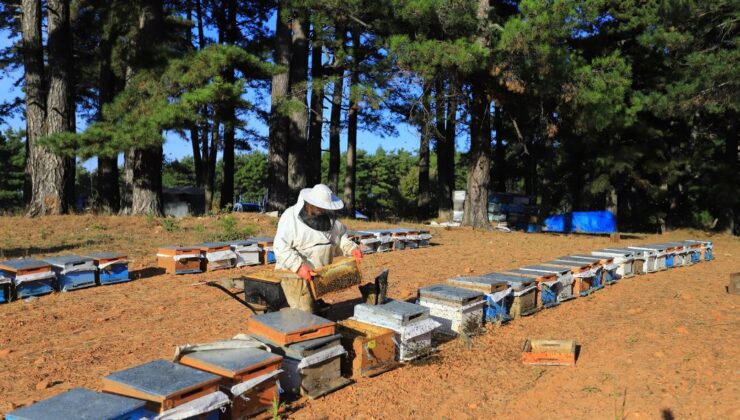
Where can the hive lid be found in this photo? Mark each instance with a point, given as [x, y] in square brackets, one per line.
[180, 248]
[64, 260]
[449, 293]
[397, 310]
[571, 262]
[515, 281]
[161, 378]
[80, 404]
[484, 279]
[545, 268]
[264, 238]
[290, 320]
[230, 361]
[212, 245]
[588, 257]
[104, 255]
[245, 242]
[24, 264]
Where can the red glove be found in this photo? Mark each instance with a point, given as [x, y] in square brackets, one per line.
[357, 254]
[305, 272]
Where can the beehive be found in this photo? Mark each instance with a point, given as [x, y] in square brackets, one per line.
[267, 254]
[586, 275]
[622, 259]
[73, 272]
[523, 296]
[247, 252]
[605, 263]
[549, 352]
[165, 385]
[547, 280]
[29, 277]
[216, 256]
[83, 404]
[111, 267]
[289, 326]
[254, 368]
[458, 310]
[180, 259]
[312, 368]
[650, 261]
[370, 349]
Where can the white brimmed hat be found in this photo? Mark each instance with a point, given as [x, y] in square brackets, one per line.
[322, 197]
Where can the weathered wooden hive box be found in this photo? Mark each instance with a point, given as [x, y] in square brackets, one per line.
[412, 239]
[523, 294]
[458, 310]
[696, 250]
[170, 388]
[411, 323]
[370, 348]
[586, 274]
[639, 259]
[651, 258]
[547, 280]
[73, 271]
[267, 254]
[289, 326]
[683, 253]
[675, 253]
[624, 260]
[367, 242]
[112, 267]
[180, 259]
[707, 248]
[247, 252]
[83, 404]
[606, 265]
[216, 256]
[249, 376]
[385, 239]
[398, 238]
[661, 253]
[311, 368]
[549, 352]
[498, 295]
[29, 277]
[425, 238]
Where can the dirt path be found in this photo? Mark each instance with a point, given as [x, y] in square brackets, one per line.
[663, 345]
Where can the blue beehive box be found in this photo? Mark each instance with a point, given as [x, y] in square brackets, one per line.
[73, 272]
[83, 404]
[166, 386]
[5, 289]
[29, 277]
[112, 267]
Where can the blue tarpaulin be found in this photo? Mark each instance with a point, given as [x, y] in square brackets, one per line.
[582, 222]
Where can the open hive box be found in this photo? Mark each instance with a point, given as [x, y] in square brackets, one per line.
[549, 352]
[370, 348]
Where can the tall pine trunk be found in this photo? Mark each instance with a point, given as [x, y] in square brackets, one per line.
[445, 147]
[50, 172]
[277, 183]
[297, 147]
[423, 200]
[316, 116]
[350, 181]
[146, 163]
[479, 171]
[335, 119]
[107, 190]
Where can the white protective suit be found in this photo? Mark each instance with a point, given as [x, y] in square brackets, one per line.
[296, 243]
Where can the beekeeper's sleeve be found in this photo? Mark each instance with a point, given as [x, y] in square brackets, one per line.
[285, 254]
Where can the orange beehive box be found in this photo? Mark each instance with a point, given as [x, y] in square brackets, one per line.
[549, 352]
[289, 326]
[370, 348]
[180, 259]
[253, 367]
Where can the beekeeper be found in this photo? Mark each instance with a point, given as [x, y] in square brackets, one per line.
[309, 236]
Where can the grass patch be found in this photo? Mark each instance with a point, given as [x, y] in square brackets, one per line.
[229, 230]
[170, 225]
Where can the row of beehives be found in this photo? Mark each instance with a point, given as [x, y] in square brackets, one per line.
[391, 239]
[285, 353]
[27, 277]
[212, 256]
[312, 356]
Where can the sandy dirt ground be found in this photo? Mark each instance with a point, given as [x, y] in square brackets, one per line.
[664, 345]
